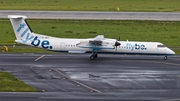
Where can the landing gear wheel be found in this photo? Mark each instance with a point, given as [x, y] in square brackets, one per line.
[92, 57]
[95, 55]
[165, 57]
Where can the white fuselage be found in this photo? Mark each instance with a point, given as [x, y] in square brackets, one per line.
[70, 46]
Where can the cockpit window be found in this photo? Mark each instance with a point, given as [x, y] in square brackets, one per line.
[161, 46]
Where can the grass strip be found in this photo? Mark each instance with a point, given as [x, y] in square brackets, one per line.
[92, 5]
[10, 84]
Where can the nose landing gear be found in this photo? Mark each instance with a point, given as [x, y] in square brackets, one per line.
[165, 57]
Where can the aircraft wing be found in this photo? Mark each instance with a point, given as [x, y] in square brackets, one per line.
[97, 43]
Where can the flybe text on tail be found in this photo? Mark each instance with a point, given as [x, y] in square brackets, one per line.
[28, 37]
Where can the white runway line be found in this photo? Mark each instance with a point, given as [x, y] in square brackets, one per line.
[171, 100]
[92, 89]
[168, 63]
[39, 58]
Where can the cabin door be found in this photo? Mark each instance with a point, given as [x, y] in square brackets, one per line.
[62, 46]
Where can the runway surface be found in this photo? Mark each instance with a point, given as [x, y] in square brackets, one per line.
[74, 77]
[167, 16]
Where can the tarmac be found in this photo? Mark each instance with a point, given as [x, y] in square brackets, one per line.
[74, 77]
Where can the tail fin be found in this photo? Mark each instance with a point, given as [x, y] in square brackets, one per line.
[21, 28]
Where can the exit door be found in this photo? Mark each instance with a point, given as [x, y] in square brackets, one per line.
[62, 46]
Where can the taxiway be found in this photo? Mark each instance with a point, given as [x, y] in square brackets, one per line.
[94, 15]
[74, 77]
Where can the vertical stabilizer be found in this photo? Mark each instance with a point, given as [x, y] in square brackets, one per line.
[21, 29]
[24, 34]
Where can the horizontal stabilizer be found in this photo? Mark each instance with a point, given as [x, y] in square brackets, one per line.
[17, 17]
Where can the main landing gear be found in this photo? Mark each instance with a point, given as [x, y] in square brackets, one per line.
[165, 57]
[94, 55]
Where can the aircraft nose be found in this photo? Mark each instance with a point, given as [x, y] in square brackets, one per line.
[171, 52]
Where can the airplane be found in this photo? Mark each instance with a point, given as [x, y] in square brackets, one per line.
[99, 44]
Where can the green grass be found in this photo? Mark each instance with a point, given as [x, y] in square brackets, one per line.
[166, 32]
[10, 84]
[92, 5]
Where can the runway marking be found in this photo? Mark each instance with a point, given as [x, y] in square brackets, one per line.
[171, 100]
[39, 57]
[79, 83]
[168, 63]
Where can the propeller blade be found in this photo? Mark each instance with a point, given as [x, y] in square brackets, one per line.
[119, 38]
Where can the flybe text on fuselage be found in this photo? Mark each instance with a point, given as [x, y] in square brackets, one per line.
[135, 46]
[35, 41]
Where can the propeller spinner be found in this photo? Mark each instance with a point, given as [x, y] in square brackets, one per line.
[117, 44]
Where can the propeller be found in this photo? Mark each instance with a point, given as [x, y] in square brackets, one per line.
[117, 43]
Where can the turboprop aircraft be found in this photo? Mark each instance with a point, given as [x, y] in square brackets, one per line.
[99, 44]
